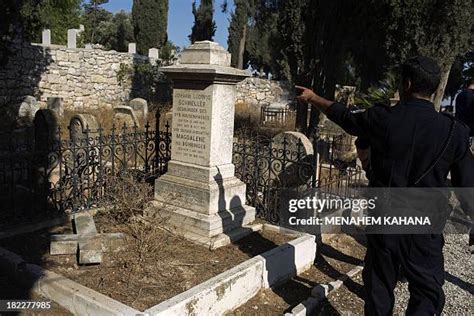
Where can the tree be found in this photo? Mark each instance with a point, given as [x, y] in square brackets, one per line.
[261, 49]
[94, 7]
[292, 28]
[150, 23]
[123, 31]
[204, 26]
[441, 29]
[238, 29]
[97, 23]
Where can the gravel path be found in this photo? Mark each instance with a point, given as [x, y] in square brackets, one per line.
[459, 284]
[458, 288]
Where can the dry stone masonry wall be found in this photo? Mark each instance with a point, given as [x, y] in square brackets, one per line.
[256, 91]
[84, 78]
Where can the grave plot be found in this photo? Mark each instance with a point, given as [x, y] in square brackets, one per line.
[168, 266]
[336, 256]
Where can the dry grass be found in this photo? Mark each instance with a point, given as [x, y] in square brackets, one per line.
[247, 117]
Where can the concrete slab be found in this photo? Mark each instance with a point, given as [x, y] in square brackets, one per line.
[63, 244]
[90, 250]
[84, 225]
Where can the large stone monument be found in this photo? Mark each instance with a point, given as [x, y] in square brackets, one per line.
[200, 195]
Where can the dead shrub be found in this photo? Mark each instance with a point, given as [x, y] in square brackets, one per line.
[125, 197]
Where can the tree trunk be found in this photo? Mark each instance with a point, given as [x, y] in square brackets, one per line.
[302, 118]
[438, 98]
[243, 39]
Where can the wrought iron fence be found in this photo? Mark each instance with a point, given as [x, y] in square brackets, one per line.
[267, 166]
[277, 117]
[74, 174]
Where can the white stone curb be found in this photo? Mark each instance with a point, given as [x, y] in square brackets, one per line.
[76, 298]
[216, 296]
[236, 286]
[320, 292]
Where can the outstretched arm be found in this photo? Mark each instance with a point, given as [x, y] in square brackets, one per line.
[353, 122]
[308, 96]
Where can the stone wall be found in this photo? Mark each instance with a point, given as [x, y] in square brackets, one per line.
[84, 78]
[256, 91]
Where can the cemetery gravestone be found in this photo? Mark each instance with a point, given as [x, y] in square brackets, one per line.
[46, 141]
[27, 110]
[132, 48]
[45, 126]
[208, 204]
[71, 38]
[124, 115]
[46, 37]
[294, 179]
[153, 53]
[295, 147]
[140, 107]
[78, 125]
[87, 242]
[55, 104]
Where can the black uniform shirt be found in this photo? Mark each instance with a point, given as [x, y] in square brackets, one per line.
[406, 139]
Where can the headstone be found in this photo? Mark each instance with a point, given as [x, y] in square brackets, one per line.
[88, 46]
[295, 147]
[81, 27]
[45, 128]
[132, 48]
[124, 115]
[46, 37]
[167, 119]
[26, 111]
[208, 201]
[46, 141]
[78, 125]
[140, 107]
[71, 38]
[154, 53]
[86, 242]
[56, 105]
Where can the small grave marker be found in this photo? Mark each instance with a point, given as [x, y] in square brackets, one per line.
[140, 107]
[87, 242]
[55, 104]
[125, 115]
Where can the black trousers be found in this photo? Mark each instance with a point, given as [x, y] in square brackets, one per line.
[421, 259]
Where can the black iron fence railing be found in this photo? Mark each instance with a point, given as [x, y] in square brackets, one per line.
[267, 166]
[74, 174]
[70, 175]
[277, 116]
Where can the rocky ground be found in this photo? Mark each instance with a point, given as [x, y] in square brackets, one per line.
[459, 284]
[458, 288]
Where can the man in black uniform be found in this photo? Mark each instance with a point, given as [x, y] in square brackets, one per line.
[412, 145]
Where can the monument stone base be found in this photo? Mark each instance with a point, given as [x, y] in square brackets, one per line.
[204, 204]
[212, 231]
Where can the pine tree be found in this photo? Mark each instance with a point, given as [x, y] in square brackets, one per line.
[238, 30]
[204, 26]
[150, 23]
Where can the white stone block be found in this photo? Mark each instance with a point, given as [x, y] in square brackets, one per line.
[132, 48]
[216, 296]
[46, 37]
[71, 38]
[154, 53]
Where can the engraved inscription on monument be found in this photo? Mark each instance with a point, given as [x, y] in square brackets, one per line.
[191, 126]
